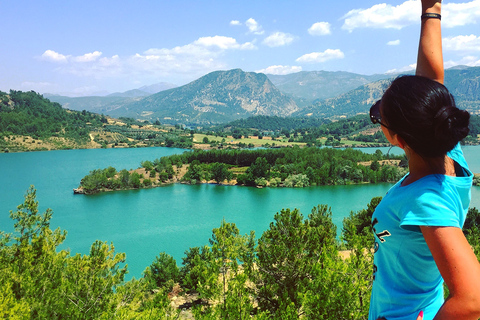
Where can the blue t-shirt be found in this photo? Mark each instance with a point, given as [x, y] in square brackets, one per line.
[406, 278]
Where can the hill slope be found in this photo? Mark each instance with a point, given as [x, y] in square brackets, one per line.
[320, 85]
[463, 83]
[217, 97]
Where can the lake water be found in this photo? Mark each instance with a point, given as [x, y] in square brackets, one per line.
[143, 223]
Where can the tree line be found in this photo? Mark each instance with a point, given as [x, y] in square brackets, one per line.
[28, 113]
[282, 167]
[309, 130]
[297, 269]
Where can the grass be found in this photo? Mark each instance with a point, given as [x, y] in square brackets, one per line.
[198, 138]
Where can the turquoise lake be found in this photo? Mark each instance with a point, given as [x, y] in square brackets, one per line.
[173, 218]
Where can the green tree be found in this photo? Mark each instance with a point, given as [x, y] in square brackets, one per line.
[124, 178]
[194, 171]
[220, 172]
[51, 284]
[134, 180]
[471, 229]
[287, 255]
[92, 280]
[162, 270]
[228, 283]
[32, 268]
[260, 168]
[192, 271]
[360, 224]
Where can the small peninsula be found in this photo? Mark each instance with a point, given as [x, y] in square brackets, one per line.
[282, 167]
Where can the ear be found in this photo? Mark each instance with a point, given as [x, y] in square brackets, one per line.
[400, 142]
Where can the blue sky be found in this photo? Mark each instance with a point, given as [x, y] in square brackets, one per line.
[88, 47]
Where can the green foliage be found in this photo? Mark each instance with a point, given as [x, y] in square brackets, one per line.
[297, 181]
[471, 229]
[194, 262]
[220, 172]
[289, 167]
[287, 255]
[40, 282]
[95, 277]
[100, 179]
[260, 168]
[357, 226]
[28, 113]
[271, 123]
[151, 137]
[164, 269]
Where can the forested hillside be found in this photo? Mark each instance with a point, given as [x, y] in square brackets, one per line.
[28, 113]
[28, 121]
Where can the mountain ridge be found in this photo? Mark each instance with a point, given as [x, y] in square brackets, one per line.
[223, 96]
[219, 96]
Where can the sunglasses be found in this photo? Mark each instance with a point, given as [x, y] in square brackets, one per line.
[375, 116]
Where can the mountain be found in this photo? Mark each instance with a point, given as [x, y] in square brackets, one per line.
[101, 103]
[463, 83]
[93, 103]
[224, 96]
[354, 102]
[145, 90]
[217, 97]
[157, 87]
[130, 94]
[311, 86]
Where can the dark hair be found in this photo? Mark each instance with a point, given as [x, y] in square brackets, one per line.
[423, 113]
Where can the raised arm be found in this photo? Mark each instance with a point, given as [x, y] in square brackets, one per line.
[430, 58]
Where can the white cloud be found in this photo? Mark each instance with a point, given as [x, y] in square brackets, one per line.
[328, 54]
[254, 27]
[223, 43]
[386, 16]
[461, 43]
[320, 29]
[470, 61]
[278, 39]
[383, 16]
[408, 68]
[88, 57]
[393, 43]
[280, 70]
[51, 55]
[235, 23]
[192, 60]
[460, 14]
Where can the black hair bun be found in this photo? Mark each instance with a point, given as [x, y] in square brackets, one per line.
[451, 125]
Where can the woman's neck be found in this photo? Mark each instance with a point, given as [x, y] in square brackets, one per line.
[420, 167]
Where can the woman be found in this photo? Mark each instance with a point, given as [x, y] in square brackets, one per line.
[419, 242]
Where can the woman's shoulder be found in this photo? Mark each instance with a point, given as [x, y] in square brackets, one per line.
[456, 154]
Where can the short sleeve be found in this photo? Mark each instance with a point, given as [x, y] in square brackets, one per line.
[432, 208]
